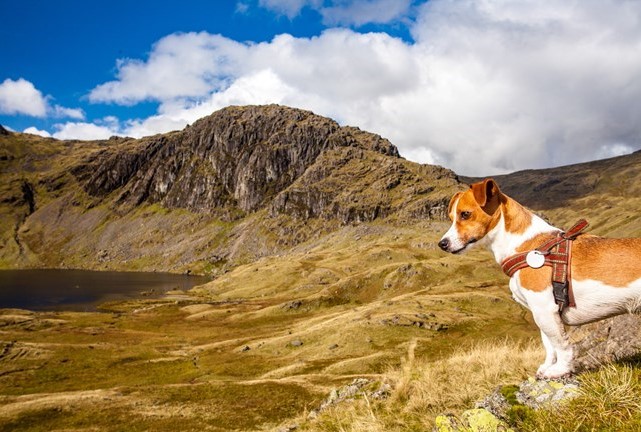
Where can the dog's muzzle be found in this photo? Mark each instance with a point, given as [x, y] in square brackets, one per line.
[446, 245]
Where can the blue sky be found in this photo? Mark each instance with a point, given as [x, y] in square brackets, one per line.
[481, 87]
[67, 47]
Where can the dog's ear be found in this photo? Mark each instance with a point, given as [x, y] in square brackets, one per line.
[488, 195]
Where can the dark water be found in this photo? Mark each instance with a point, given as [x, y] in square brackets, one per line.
[81, 290]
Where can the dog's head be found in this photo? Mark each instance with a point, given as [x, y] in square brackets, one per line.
[473, 213]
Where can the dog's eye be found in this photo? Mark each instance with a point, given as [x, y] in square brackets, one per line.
[465, 215]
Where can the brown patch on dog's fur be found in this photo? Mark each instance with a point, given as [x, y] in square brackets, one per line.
[536, 280]
[615, 262]
[517, 218]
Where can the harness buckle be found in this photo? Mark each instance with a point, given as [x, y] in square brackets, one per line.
[561, 294]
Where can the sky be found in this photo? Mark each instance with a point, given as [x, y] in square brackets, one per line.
[479, 86]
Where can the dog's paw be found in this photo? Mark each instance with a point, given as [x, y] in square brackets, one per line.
[556, 371]
[540, 372]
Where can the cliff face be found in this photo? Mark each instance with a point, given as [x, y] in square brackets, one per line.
[264, 176]
[239, 157]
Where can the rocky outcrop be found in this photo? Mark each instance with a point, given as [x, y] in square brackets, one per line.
[238, 157]
[506, 403]
[3, 131]
[602, 342]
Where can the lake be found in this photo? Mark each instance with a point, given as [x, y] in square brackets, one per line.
[83, 290]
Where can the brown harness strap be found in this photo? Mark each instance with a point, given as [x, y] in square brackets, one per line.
[557, 253]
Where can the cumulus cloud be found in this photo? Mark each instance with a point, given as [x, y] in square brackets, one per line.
[512, 85]
[62, 112]
[181, 65]
[35, 131]
[84, 131]
[21, 97]
[487, 87]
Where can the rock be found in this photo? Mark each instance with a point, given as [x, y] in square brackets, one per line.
[333, 346]
[605, 341]
[417, 320]
[341, 394]
[296, 343]
[3, 131]
[382, 393]
[506, 402]
[543, 393]
[238, 156]
[292, 305]
[497, 403]
[474, 420]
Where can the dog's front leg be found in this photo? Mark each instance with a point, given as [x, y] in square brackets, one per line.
[550, 354]
[559, 353]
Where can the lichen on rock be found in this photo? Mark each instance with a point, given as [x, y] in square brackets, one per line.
[473, 420]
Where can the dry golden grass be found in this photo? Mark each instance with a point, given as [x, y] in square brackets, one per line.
[424, 388]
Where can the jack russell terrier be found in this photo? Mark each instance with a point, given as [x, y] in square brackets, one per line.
[563, 278]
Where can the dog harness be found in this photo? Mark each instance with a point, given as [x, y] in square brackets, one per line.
[555, 253]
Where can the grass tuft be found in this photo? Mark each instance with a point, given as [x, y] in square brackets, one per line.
[609, 399]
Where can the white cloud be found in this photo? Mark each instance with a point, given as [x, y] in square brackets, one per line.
[83, 131]
[526, 84]
[488, 86]
[35, 131]
[242, 8]
[21, 97]
[62, 112]
[181, 65]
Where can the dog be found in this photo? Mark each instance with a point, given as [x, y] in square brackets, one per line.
[604, 273]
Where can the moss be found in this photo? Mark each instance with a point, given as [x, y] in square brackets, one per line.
[509, 393]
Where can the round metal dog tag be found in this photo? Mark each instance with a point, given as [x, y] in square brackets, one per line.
[535, 259]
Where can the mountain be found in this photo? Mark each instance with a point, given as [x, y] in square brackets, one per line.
[241, 183]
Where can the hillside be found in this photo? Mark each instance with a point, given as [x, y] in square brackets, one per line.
[242, 183]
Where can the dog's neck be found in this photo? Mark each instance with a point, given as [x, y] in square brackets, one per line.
[516, 225]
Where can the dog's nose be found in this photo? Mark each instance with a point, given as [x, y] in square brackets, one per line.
[444, 244]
